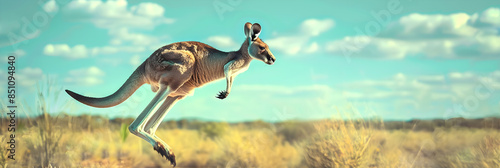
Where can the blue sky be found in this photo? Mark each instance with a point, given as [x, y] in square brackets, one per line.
[393, 59]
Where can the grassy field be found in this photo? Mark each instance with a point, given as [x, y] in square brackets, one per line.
[91, 141]
[87, 141]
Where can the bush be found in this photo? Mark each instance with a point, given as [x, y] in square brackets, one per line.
[338, 144]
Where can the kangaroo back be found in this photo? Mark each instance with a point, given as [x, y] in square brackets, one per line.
[135, 81]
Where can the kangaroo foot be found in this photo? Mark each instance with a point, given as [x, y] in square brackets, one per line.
[222, 94]
[169, 154]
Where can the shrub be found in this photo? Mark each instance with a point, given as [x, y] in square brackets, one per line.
[338, 144]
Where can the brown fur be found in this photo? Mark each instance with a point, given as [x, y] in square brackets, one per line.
[189, 65]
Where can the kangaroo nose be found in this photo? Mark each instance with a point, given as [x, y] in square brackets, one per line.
[270, 60]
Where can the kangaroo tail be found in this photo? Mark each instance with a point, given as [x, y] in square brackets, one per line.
[135, 81]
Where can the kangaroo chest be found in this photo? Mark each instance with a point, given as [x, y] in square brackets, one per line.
[239, 70]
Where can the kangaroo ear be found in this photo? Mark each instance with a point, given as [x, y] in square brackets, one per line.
[255, 31]
[248, 26]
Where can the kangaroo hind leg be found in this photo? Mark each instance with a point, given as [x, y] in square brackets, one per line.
[172, 75]
[152, 124]
[137, 126]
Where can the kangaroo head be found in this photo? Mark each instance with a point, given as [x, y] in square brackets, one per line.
[257, 49]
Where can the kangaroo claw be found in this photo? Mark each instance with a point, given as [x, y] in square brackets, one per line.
[169, 155]
[222, 95]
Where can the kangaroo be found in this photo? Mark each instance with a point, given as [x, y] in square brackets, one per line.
[174, 71]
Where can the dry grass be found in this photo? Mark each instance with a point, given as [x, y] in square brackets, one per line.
[87, 141]
[332, 144]
[256, 148]
[484, 154]
[338, 144]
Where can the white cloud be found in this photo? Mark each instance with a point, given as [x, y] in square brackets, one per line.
[223, 42]
[50, 6]
[121, 41]
[148, 9]
[116, 14]
[365, 46]
[26, 79]
[424, 90]
[489, 17]
[435, 36]
[419, 26]
[63, 50]
[487, 47]
[375, 95]
[80, 51]
[431, 79]
[19, 28]
[312, 48]
[466, 83]
[122, 35]
[297, 43]
[12, 32]
[314, 27]
[17, 53]
[119, 18]
[461, 76]
[290, 45]
[28, 76]
[496, 74]
[135, 60]
[85, 76]
[105, 50]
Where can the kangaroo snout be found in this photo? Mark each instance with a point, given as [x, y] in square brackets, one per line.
[270, 60]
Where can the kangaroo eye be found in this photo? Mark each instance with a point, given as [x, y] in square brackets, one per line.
[262, 48]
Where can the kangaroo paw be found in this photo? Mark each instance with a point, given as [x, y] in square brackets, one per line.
[222, 95]
[169, 155]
